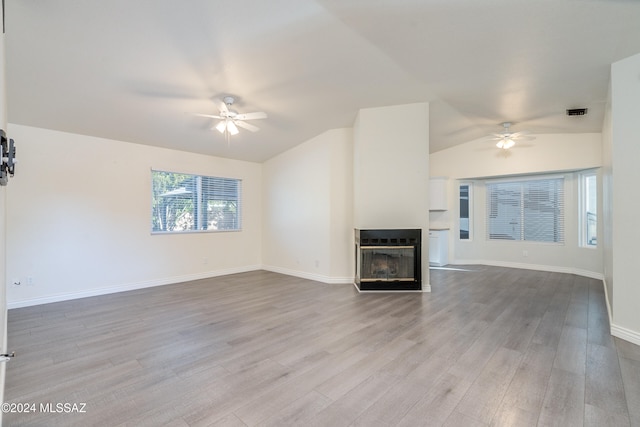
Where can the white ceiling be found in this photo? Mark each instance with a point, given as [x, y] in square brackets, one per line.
[135, 70]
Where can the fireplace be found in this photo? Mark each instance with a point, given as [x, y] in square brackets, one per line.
[388, 260]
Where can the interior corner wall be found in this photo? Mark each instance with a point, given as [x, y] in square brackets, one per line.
[550, 154]
[79, 219]
[625, 110]
[607, 204]
[341, 221]
[391, 171]
[307, 215]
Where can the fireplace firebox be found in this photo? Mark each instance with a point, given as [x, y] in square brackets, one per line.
[388, 260]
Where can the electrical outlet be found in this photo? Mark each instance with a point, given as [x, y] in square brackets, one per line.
[30, 281]
[205, 260]
[525, 253]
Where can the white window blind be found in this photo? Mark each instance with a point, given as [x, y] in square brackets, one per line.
[531, 210]
[184, 202]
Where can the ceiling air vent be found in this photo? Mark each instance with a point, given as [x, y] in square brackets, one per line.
[576, 112]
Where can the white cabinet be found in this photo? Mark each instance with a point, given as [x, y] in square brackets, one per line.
[438, 247]
[438, 194]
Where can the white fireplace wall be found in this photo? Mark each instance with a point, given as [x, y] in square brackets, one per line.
[391, 171]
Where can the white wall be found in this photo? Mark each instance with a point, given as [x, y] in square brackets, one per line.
[3, 294]
[309, 192]
[3, 283]
[548, 153]
[625, 233]
[307, 215]
[79, 218]
[391, 171]
[391, 166]
[607, 204]
[341, 228]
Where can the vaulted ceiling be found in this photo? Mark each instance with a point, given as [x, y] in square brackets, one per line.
[137, 70]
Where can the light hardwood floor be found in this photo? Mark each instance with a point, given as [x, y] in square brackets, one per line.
[493, 346]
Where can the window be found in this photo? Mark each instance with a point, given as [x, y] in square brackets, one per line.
[183, 202]
[465, 209]
[531, 210]
[588, 210]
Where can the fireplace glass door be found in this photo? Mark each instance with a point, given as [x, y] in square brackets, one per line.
[387, 263]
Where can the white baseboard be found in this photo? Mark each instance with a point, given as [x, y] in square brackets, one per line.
[539, 267]
[619, 331]
[625, 334]
[327, 279]
[608, 304]
[127, 287]
[310, 276]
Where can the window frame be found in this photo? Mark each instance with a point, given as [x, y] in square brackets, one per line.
[583, 213]
[199, 209]
[469, 186]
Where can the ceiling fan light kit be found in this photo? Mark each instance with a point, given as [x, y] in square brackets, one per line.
[231, 127]
[230, 120]
[221, 126]
[505, 144]
[507, 139]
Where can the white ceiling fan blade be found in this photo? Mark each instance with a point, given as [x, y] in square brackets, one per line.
[251, 116]
[247, 126]
[518, 134]
[211, 116]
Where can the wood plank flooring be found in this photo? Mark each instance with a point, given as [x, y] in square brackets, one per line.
[488, 347]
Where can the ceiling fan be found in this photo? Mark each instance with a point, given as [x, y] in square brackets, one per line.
[507, 139]
[230, 120]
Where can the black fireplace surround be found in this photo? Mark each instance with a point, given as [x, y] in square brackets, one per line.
[388, 260]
